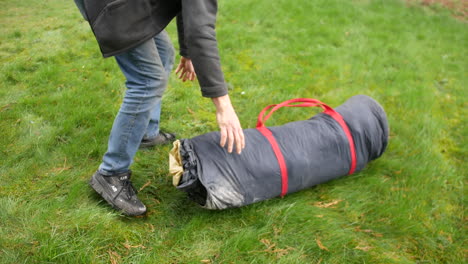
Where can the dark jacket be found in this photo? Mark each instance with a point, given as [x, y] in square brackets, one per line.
[120, 25]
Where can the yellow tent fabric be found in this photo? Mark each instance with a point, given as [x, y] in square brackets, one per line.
[176, 168]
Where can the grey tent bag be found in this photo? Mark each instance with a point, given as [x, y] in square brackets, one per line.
[283, 159]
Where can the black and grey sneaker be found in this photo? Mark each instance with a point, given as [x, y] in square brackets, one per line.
[161, 139]
[119, 192]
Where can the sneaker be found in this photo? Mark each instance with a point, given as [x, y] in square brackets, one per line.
[119, 192]
[161, 139]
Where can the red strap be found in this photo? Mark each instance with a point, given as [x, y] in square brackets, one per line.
[352, 149]
[279, 156]
[301, 102]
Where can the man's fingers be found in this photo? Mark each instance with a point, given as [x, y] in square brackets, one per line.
[230, 139]
[179, 67]
[238, 142]
[222, 141]
[179, 72]
[242, 138]
[185, 70]
[183, 75]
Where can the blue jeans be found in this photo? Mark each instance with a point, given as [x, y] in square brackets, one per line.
[147, 69]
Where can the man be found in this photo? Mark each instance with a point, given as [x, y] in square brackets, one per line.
[133, 32]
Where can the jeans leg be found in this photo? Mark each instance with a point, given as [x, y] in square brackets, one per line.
[146, 82]
[166, 53]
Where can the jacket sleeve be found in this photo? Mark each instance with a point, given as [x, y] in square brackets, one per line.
[180, 32]
[80, 5]
[199, 18]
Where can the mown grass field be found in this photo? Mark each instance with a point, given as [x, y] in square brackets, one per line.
[58, 98]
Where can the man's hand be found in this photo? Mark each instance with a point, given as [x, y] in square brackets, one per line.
[229, 125]
[185, 67]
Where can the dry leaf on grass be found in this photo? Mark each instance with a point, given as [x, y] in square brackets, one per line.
[271, 249]
[144, 186]
[268, 244]
[369, 231]
[114, 257]
[364, 248]
[276, 231]
[128, 246]
[327, 205]
[358, 229]
[377, 235]
[320, 245]
[151, 226]
[63, 168]
[282, 251]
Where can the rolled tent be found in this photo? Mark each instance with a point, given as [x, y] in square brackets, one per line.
[307, 153]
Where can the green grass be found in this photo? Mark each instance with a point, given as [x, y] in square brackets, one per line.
[58, 98]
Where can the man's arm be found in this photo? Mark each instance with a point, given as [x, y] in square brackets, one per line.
[185, 68]
[180, 33]
[80, 5]
[198, 20]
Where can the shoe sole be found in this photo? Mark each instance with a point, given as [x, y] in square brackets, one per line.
[150, 145]
[94, 183]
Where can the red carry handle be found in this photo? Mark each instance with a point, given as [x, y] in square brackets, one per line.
[301, 102]
[305, 102]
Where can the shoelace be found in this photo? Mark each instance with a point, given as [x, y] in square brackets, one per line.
[130, 190]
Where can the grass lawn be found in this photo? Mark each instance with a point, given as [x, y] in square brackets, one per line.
[58, 98]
